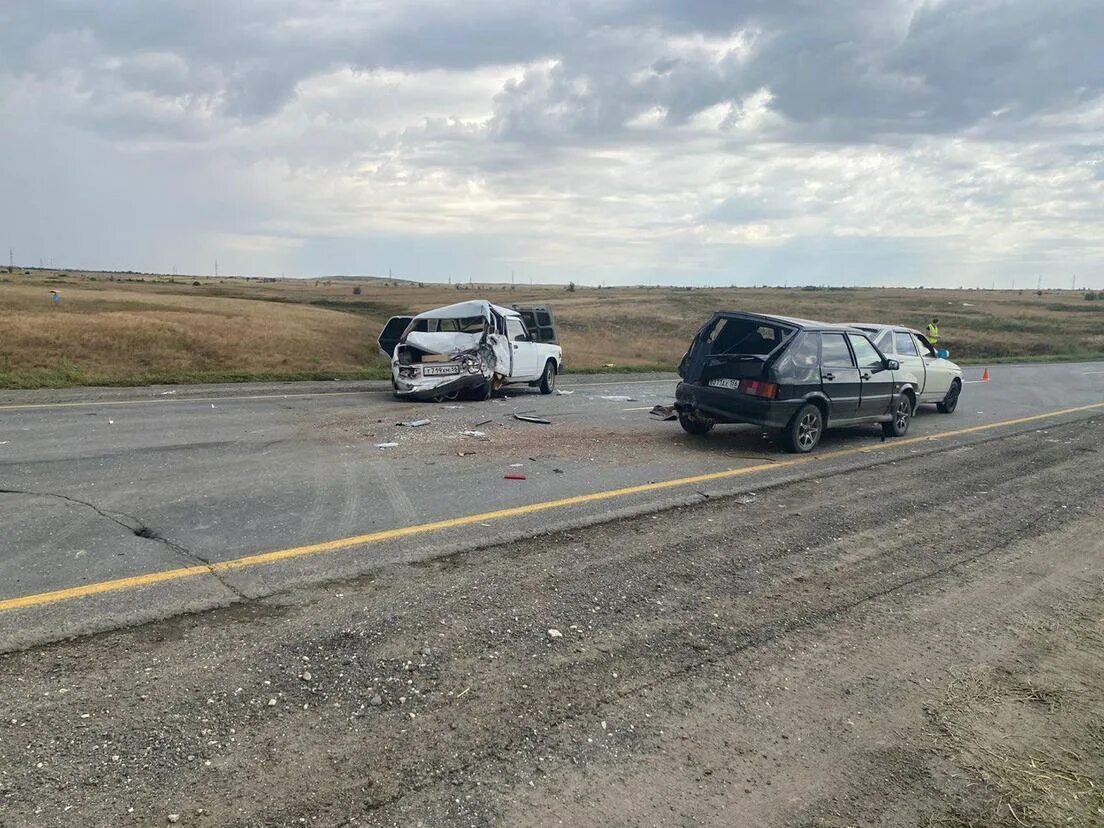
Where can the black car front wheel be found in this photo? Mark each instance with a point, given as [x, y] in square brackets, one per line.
[694, 423]
[803, 433]
[902, 416]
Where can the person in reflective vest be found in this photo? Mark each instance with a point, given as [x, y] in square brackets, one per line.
[933, 333]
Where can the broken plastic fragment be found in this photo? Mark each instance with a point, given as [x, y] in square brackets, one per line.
[563, 393]
[664, 412]
[530, 419]
[619, 398]
[413, 423]
[386, 445]
[515, 476]
[473, 433]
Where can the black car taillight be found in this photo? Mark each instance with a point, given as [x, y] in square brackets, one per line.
[759, 388]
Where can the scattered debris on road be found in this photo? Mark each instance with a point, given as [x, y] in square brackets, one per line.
[560, 392]
[618, 398]
[528, 418]
[413, 423]
[515, 476]
[386, 445]
[664, 412]
[554, 634]
[473, 433]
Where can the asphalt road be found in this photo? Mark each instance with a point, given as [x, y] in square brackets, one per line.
[915, 643]
[180, 499]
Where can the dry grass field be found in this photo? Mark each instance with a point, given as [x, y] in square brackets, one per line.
[122, 329]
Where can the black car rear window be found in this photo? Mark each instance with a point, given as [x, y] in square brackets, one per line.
[733, 335]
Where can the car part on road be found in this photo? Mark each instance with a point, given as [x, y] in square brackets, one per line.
[527, 418]
[664, 412]
[515, 476]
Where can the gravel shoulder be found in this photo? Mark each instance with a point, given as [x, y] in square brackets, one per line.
[917, 643]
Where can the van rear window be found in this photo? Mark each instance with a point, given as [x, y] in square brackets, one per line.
[731, 335]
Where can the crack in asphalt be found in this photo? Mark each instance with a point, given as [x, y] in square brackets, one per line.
[138, 527]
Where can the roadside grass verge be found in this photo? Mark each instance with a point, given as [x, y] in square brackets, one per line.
[134, 329]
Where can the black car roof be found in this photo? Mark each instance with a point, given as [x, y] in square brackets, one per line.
[793, 321]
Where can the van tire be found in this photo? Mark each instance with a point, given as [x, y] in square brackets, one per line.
[694, 423]
[548, 378]
[804, 431]
[901, 415]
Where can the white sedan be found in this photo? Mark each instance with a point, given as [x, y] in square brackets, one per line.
[935, 378]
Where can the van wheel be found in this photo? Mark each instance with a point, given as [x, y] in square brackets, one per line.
[950, 402]
[548, 378]
[902, 416]
[803, 433]
[694, 423]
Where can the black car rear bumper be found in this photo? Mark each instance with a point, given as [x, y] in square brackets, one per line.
[726, 405]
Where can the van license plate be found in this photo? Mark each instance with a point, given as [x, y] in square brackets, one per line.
[440, 370]
[725, 383]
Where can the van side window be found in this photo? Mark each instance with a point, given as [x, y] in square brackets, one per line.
[834, 352]
[905, 345]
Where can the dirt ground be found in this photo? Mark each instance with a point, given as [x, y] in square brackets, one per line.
[917, 643]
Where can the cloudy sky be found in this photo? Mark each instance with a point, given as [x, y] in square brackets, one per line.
[618, 141]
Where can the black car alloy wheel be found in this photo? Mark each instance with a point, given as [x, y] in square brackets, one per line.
[902, 415]
[808, 429]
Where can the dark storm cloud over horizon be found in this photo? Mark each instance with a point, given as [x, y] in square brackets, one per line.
[619, 141]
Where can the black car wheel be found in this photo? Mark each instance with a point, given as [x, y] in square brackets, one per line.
[950, 401]
[803, 432]
[902, 416]
[694, 423]
[548, 378]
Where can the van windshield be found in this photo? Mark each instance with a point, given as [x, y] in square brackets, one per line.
[733, 336]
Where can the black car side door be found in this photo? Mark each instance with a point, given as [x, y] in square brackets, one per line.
[877, 382]
[839, 376]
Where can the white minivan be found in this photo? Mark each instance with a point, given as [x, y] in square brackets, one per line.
[471, 349]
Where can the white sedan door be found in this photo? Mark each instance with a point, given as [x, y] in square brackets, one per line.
[940, 372]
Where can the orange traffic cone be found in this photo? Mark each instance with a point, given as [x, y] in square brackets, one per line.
[985, 375]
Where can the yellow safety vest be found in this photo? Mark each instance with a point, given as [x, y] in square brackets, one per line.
[933, 333]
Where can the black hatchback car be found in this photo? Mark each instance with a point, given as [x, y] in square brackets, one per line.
[793, 375]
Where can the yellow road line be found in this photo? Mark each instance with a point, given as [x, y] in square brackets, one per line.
[263, 558]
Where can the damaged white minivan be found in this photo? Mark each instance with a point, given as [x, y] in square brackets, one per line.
[470, 349]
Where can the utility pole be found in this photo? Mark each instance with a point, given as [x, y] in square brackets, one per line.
[216, 267]
[1074, 285]
[1039, 285]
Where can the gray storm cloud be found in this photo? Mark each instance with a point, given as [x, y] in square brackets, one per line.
[692, 141]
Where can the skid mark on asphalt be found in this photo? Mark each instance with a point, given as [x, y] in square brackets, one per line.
[399, 497]
[401, 505]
